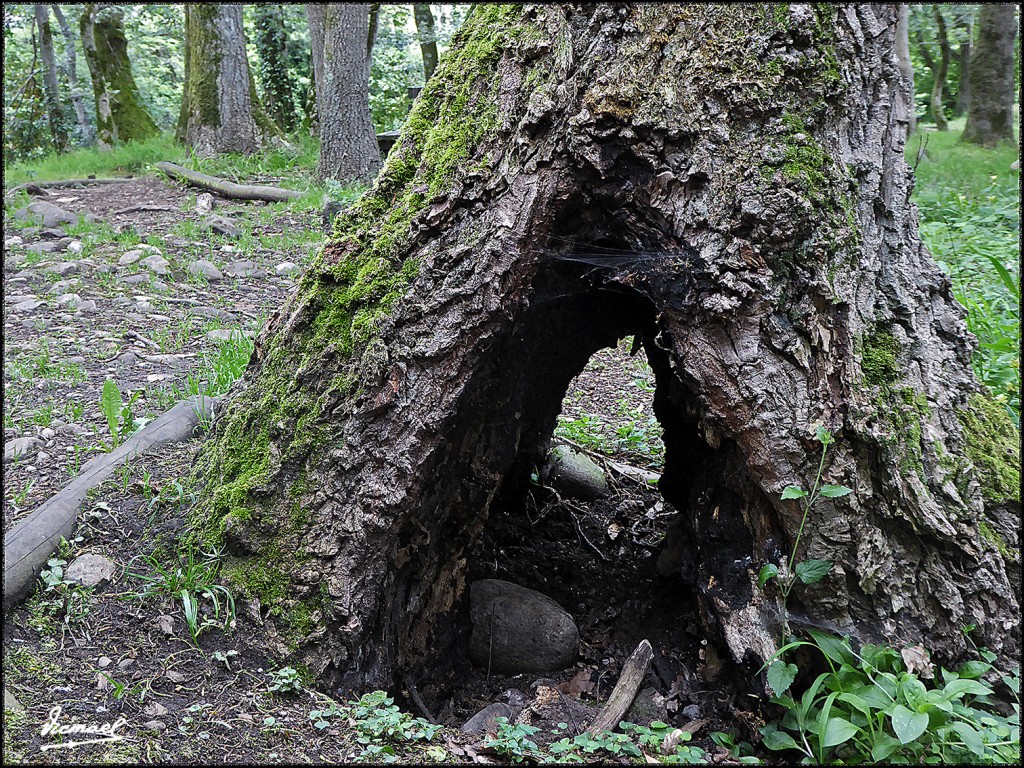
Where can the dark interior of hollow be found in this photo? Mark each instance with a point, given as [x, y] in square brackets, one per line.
[575, 311]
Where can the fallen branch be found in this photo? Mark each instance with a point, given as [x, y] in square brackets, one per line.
[62, 183]
[618, 703]
[228, 188]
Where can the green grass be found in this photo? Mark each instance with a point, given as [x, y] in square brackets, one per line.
[970, 220]
[130, 158]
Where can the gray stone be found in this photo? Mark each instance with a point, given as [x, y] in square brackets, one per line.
[75, 246]
[154, 725]
[89, 570]
[156, 264]
[575, 475]
[62, 286]
[1015, 165]
[222, 335]
[53, 233]
[691, 711]
[136, 279]
[130, 257]
[213, 312]
[49, 215]
[12, 703]
[205, 268]
[87, 306]
[518, 630]
[287, 268]
[13, 241]
[484, 720]
[69, 301]
[48, 246]
[21, 447]
[64, 268]
[27, 306]
[221, 225]
[244, 268]
[205, 203]
[648, 706]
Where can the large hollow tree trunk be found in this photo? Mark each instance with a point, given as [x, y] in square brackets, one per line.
[120, 113]
[220, 111]
[990, 116]
[746, 165]
[348, 144]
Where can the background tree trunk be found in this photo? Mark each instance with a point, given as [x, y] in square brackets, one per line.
[71, 69]
[120, 114]
[54, 112]
[939, 68]
[220, 110]
[772, 269]
[348, 143]
[315, 13]
[963, 93]
[428, 37]
[990, 117]
[271, 44]
[906, 66]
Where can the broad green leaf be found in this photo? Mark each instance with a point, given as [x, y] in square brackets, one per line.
[838, 730]
[883, 746]
[823, 435]
[110, 405]
[781, 676]
[835, 648]
[775, 739]
[793, 492]
[812, 571]
[971, 737]
[973, 669]
[768, 572]
[858, 702]
[834, 491]
[957, 688]
[908, 725]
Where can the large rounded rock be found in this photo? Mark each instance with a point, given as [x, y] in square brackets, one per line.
[517, 630]
[574, 475]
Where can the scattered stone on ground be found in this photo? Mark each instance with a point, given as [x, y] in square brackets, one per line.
[21, 447]
[11, 703]
[221, 225]
[205, 203]
[286, 268]
[156, 264]
[90, 570]
[518, 630]
[575, 475]
[205, 268]
[50, 215]
[648, 706]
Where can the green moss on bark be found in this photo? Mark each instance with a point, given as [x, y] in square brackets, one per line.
[993, 446]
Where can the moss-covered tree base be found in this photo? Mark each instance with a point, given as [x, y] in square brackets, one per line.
[745, 167]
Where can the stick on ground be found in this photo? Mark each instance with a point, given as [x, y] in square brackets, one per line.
[228, 188]
[618, 703]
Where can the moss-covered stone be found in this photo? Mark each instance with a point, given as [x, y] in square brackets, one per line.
[993, 446]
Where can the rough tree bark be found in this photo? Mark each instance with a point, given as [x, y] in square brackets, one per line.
[906, 66]
[428, 37]
[939, 68]
[272, 46]
[71, 70]
[220, 111]
[315, 16]
[748, 160]
[990, 117]
[54, 112]
[348, 144]
[120, 114]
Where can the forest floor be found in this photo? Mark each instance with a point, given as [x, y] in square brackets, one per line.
[77, 312]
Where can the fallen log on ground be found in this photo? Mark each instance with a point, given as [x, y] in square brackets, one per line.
[29, 543]
[61, 183]
[633, 672]
[228, 188]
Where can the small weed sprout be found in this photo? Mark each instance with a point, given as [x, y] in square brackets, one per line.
[285, 680]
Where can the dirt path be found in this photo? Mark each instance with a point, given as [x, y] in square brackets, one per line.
[107, 652]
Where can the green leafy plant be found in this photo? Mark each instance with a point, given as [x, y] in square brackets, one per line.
[379, 725]
[204, 603]
[285, 680]
[118, 413]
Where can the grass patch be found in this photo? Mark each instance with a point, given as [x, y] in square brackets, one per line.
[131, 158]
[970, 220]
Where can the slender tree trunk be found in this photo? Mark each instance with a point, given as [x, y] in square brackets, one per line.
[990, 118]
[315, 13]
[271, 44]
[120, 114]
[54, 112]
[371, 35]
[769, 261]
[428, 37]
[939, 69]
[906, 66]
[963, 94]
[71, 69]
[220, 110]
[348, 144]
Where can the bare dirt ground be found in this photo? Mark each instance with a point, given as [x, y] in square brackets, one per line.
[109, 652]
